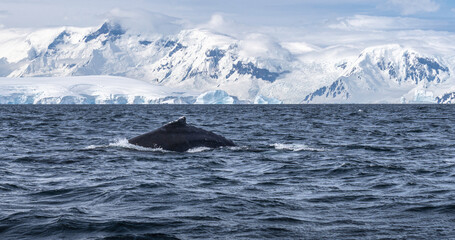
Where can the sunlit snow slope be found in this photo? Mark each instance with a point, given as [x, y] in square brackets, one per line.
[219, 67]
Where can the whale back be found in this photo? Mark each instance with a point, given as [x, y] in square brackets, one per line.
[181, 122]
[179, 136]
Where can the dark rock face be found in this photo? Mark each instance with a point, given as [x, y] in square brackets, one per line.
[421, 68]
[215, 55]
[332, 91]
[179, 136]
[447, 98]
[60, 39]
[177, 47]
[416, 69]
[112, 32]
[250, 68]
[145, 42]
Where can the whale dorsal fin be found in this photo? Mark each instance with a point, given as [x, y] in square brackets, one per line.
[181, 122]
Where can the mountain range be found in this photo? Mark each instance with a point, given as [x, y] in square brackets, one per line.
[204, 62]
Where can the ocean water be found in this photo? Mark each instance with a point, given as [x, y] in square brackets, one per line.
[298, 172]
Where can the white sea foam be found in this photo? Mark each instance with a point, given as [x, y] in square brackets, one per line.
[296, 147]
[237, 148]
[199, 149]
[91, 147]
[123, 143]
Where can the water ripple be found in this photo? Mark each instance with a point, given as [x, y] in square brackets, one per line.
[298, 172]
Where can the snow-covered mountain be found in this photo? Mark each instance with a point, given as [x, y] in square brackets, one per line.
[388, 74]
[226, 69]
[194, 59]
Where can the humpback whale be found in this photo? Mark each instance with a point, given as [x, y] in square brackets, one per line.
[179, 136]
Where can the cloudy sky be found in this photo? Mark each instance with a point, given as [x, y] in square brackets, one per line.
[321, 22]
[437, 14]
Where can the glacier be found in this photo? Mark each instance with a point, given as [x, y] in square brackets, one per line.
[201, 65]
[89, 90]
[216, 97]
[266, 100]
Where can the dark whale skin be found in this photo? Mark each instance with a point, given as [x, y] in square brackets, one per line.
[179, 136]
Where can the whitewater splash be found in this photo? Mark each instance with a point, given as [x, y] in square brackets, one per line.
[123, 143]
[296, 147]
[199, 149]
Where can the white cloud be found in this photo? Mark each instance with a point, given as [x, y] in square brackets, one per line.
[145, 21]
[262, 46]
[219, 22]
[369, 23]
[409, 7]
[222, 23]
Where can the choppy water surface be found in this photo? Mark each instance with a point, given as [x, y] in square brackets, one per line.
[299, 172]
